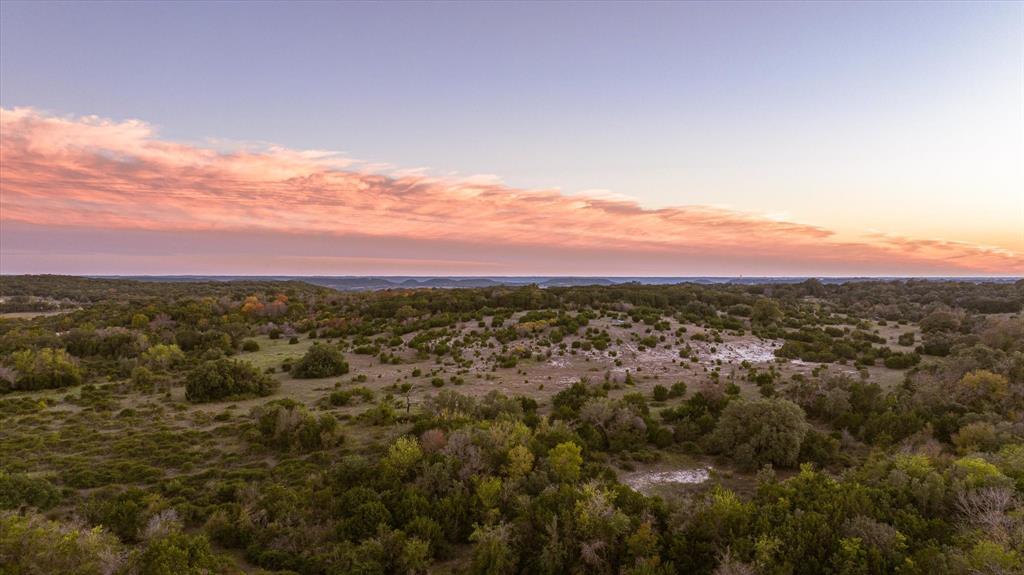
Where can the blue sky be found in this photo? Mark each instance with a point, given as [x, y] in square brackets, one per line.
[909, 115]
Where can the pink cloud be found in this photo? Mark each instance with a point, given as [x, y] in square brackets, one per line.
[93, 173]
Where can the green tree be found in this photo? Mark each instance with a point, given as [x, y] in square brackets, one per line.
[493, 552]
[47, 368]
[221, 378]
[320, 361]
[140, 321]
[519, 462]
[761, 431]
[162, 356]
[766, 311]
[983, 387]
[565, 460]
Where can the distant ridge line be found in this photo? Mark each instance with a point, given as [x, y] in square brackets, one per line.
[383, 282]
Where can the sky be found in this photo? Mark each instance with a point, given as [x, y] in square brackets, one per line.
[779, 139]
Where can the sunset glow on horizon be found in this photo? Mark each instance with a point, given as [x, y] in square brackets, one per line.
[74, 177]
[917, 178]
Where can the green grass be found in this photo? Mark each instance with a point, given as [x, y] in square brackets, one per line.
[273, 352]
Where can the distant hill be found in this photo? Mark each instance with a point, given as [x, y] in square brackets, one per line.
[372, 283]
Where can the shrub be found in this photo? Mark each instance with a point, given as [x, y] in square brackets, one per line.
[433, 440]
[381, 414]
[660, 393]
[663, 437]
[34, 544]
[906, 338]
[288, 425]
[320, 361]
[179, 553]
[222, 378]
[902, 360]
[403, 454]
[250, 345]
[17, 489]
[819, 448]
[428, 530]
[345, 396]
[123, 513]
[142, 377]
[493, 553]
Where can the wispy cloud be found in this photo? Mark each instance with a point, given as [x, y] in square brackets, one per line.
[97, 174]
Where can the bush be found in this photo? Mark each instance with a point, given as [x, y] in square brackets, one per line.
[663, 437]
[223, 378]
[250, 345]
[34, 544]
[366, 520]
[343, 397]
[819, 449]
[320, 361]
[660, 393]
[902, 360]
[123, 513]
[142, 377]
[179, 554]
[17, 489]
[906, 338]
[288, 425]
[761, 431]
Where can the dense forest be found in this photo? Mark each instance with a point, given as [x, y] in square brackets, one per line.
[281, 427]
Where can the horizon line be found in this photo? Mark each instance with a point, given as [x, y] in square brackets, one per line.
[523, 276]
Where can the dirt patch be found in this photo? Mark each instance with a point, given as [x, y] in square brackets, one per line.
[738, 351]
[32, 314]
[646, 481]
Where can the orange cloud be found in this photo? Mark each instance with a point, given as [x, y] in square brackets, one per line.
[93, 173]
